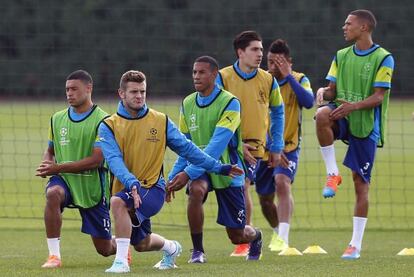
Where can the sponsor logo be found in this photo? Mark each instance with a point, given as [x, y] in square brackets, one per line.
[241, 216]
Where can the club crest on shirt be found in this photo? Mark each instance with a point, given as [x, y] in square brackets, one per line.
[153, 135]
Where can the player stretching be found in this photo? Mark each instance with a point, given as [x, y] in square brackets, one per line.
[297, 93]
[258, 93]
[359, 88]
[134, 142]
[75, 162]
[210, 117]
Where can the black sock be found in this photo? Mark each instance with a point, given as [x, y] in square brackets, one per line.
[197, 241]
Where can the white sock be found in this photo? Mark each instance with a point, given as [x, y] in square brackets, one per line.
[122, 247]
[358, 231]
[276, 230]
[284, 231]
[54, 246]
[328, 155]
[169, 246]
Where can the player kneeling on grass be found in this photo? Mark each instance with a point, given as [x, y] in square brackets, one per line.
[210, 117]
[75, 162]
[134, 142]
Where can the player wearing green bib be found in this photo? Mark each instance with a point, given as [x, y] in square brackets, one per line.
[210, 117]
[75, 162]
[359, 88]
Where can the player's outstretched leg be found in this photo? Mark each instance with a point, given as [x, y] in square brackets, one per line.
[171, 250]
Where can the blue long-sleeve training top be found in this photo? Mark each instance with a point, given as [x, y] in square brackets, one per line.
[176, 141]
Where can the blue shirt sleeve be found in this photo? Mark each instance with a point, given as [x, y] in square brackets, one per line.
[114, 157]
[179, 164]
[277, 124]
[215, 149]
[305, 97]
[177, 142]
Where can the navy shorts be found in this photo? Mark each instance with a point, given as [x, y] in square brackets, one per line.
[251, 170]
[361, 152]
[152, 201]
[96, 221]
[231, 205]
[265, 176]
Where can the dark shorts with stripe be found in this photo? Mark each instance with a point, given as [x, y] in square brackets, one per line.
[231, 205]
[361, 152]
[96, 221]
[152, 201]
[265, 183]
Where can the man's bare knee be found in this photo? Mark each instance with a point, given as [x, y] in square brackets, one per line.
[322, 116]
[197, 193]
[283, 186]
[55, 194]
[106, 252]
[117, 202]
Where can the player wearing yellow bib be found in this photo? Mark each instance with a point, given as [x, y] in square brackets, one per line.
[134, 142]
[359, 88]
[259, 96]
[297, 93]
[74, 160]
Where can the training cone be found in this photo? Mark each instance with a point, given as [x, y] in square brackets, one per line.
[406, 252]
[314, 249]
[290, 251]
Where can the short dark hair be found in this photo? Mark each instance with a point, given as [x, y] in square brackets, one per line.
[367, 16]
[214, 65]
[131, 76]
[82, 75]
[243, 40]
[279, 46]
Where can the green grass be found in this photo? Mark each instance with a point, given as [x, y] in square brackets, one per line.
[24, 250]
[23, 136]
